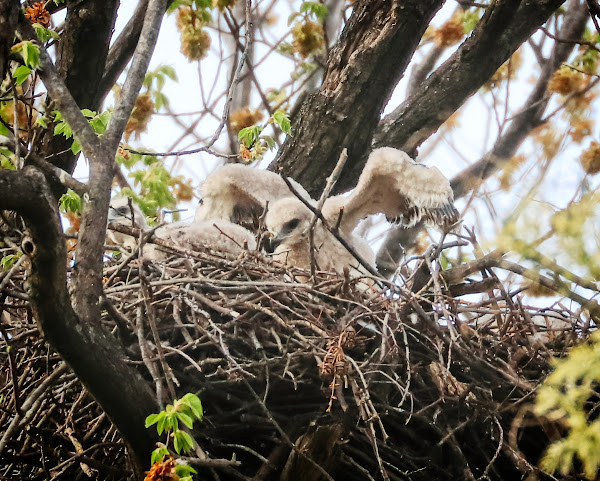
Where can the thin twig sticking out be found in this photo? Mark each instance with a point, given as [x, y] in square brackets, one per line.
[331, 180]
[370, 269]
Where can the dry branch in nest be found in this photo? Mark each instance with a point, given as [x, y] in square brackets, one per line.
[298, 380]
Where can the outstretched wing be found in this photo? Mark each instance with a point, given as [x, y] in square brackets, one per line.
[393, 184]
[239, 193]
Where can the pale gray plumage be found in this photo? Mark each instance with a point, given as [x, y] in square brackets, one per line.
[239, 193]
[124, 211]
[391, 183]
[217, 234]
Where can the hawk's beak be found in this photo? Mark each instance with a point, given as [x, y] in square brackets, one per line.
[272, 242]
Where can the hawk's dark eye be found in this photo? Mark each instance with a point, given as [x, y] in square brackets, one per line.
[291, 225]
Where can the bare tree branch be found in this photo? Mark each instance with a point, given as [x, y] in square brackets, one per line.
[507, 144]
[135, 76]
[50, 170]
[122, 49]
[81, 60]
[505, 25]
[87, 279]
[531, 114]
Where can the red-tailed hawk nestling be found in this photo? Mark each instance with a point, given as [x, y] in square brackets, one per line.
[124, 211]
[217, 234]
[391, 183]
[239, 193]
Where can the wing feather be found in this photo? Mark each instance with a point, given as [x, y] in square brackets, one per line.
[239, 193]
[393, 184]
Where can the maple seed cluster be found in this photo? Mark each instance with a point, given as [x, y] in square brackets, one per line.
[590, 159]
[565, 81]
[140, 116]
[450, 33]
[37, 13]
[223, 4]
[309, 38]
[195, 41]
[245, 117]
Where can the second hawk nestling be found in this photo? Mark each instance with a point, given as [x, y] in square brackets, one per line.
[391, 183]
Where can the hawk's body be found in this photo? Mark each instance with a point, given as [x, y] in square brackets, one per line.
[391, 183]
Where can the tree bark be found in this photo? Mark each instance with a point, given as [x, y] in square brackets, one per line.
[9, 14]
[92, 353]
[363, 69]
[81, 60]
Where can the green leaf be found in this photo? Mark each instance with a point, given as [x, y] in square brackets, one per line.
[152, 419]
[21, 74]
[70, 202]
[283, 121]
[6, 159]
[4, 130]
[182, 442]
[8, 261]
[45, 34]
[195, 405]
[317, 9]
[183, 470]
[185, 419]
[269, 141]
[30, 53]
[160, 100]
[43, 121]
[158, 454]
[75, 147]
[168, 71]
[249, 135]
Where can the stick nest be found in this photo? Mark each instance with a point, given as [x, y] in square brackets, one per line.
[299, 380]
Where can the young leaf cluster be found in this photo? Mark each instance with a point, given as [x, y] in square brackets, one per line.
[185, 410]
[70, 202]
[9, 260]
[253, 145]
[568, 396]
[98, 122]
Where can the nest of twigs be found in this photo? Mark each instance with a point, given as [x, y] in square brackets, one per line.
[299, 379]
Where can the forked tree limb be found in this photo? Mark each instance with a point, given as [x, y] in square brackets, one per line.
[364, 66]
[92, 353]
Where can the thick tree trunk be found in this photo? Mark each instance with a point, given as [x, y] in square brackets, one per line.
[363, 69]
[92, 353]
[81, 61]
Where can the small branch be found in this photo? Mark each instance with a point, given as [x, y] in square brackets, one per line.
[235, 79]
[34, 399]
[342, 241]
[12, 364]
[46, 167]
[557, 286]
[135, 76]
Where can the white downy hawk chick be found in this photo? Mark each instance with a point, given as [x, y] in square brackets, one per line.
[124, 211]
[239, 193]
[391, 183]
[219, 235]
